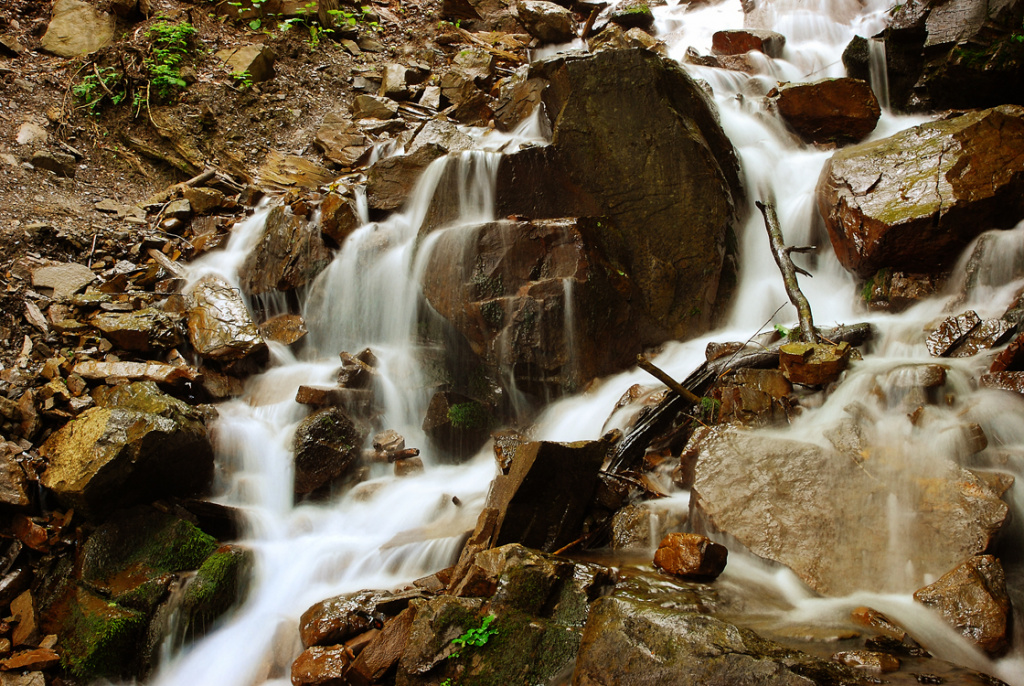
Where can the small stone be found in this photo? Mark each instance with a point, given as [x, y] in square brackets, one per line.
[256, 60]
[691, 556]
[59, 163]
[740, 41]
[321, 666]
[32, 134]
[951, 333]
[373, 107]
[868, 660]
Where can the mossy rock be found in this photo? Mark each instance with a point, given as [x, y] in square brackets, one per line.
[100, 638]
[219, 584]
[141, 544]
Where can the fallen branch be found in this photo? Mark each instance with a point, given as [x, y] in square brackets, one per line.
[808, 334]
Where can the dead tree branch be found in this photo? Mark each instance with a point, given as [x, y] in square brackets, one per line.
[808, 334]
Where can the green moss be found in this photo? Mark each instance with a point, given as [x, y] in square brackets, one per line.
[102, 641]
[468, 415]
[184, 546]
[493, 313]
[218, 584]
[487, 287]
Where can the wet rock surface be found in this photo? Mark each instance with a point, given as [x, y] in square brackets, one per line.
[912, 201]
[828, 111]
[327, 445]
[650, 175]
[753, 487]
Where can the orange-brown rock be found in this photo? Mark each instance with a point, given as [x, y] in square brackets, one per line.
[878, 622]
[740, 41]
[973, 599]
[691, 556]
[828, 111]
[813, 364]
[1006, 381]
[284, 328]
[914, 200]
[384, 650]
[40, 658]
[321, 666]
[868, 660]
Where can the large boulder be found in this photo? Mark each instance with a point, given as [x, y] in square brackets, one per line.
[637, 142]
[141, 446]
[828, 111]
[950, 54]
[548, 22]
[825, 513]
[538, 299]
[289, 255]
[913, 201]
[77, 28]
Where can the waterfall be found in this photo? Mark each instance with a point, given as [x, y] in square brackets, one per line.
[388, 531]
[879, 71]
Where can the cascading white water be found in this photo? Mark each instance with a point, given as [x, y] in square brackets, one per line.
[389, 530]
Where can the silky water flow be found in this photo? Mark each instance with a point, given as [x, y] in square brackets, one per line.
[388, 531]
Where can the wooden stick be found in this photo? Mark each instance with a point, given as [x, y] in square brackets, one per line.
[664, 378]
[789, 271]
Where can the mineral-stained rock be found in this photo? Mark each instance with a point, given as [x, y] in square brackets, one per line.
[634, 642]
[148, 446]
[547, 21]
[973, 599]
[832, 506]
[914, 200]
[136, 371]
[1006, 381]
[831, 110]
[327, 444]
[290, 253]
[335, 620]
[291, 171]
[990, 333]
[891, 291]
[691, 556]
[219, 324]
[636, 142]
[77, 28]
[339, 217]
[878, 622]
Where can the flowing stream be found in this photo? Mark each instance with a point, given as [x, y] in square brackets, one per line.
[389, 531]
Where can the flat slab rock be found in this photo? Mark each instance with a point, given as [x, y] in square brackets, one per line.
[819, 511]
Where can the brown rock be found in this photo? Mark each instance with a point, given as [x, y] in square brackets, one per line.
[219, 324]
[691, 556]
[973, 599]
[391, 180]
[951, 333]
[988, 334]
[256, 60]
[339, 217]
[77, 28]
[62, 280]
[914, 200]
[135, 371]
[1005, 381]
[813, 364]
[1011, 358]
[373, 107]
[291, 171]
[40, 658]
[289, 255]
[547, 21]
[878, 622]
[327, 445]
[739, 41]
[385, 649]
[321, 666]
[142, 330]
[341, 141]
[895, 291]
[26, 632]
[284, 328]
[409, 466]
[203, 200]
[828, 111]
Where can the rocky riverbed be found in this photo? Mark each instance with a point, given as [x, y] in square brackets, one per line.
[142, 139]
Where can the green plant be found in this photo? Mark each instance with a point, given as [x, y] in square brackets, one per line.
[360, 18]
[169, 49]
[709, 409]
[782, 331]
[243, 79]
[468, 415]
[479, 636]
[104, 84]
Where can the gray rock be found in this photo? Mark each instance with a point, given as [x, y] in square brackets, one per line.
[77, 28]
[62, 280]
[547, 21]
[32, 134]
[59, 163]
[819, 511]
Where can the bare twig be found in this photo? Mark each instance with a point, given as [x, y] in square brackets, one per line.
[789, 271]
[664, 378]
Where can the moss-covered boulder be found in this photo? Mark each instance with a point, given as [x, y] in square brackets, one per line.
[100, 638]
[220, 583]
[458, 424]
[143, 445]
[913, 201]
